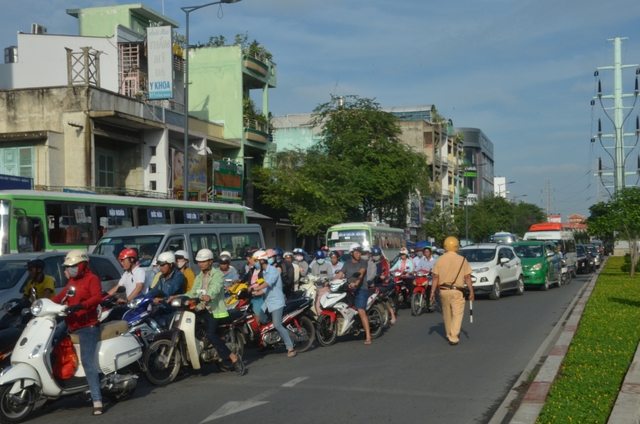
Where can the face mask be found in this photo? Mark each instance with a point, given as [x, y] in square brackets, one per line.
[180, 264]
[256, 265]
[73, 271]
[365, 257]
[320, 261]
[420, 254]
[299, 258]
[376, 258]
[270, 261]
[278, 259]
[435, 256]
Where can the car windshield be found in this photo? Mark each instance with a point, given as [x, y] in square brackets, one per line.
[528, 251]
[478, 255]
[580, 250]
[11, 272]
[146, 246]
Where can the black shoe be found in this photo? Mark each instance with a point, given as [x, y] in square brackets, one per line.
[239, 366]
[453, 343]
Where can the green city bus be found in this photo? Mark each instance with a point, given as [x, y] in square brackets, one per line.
[36, 221]
[370, 234]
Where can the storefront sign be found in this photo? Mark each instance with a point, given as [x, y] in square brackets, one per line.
[160, 62]
[227, 181]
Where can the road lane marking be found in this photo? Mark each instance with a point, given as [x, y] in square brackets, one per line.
[294, 381]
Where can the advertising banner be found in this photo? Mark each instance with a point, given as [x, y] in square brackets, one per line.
[160, 62]
[197, 175]
[227, 181]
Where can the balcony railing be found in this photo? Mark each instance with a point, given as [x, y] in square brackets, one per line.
[255, 125]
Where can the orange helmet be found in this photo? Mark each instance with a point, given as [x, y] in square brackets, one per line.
[128, 253]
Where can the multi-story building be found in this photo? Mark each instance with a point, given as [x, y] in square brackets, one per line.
[478, 165]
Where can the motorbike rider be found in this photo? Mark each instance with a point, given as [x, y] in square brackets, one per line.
[429, 260]
[321, 268]
[359, 284]
[44, 284]
[336, 265]
[450, 273]
[381, 274]
[228, 271]
[405, 266]
[251, 280]
[298, 256]
[418, 260]
[182, 263]
[170, 284]
[133, 277]
[287, 272]
[288, 257]
[82, 316]
[211, 281]
[274, 299]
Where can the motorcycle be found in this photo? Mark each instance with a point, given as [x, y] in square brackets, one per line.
[339, 315]
[233, 301]
[566, 273]
[186, 343]
[403, 281]
[30, 379]
[421, 293]
[386, 298]
[295, 319]
[313, 288]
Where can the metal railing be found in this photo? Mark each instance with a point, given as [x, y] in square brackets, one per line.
[255, 125]
[117, 191]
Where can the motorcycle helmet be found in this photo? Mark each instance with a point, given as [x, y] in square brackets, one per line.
[167, 258]
[36, 263]
[128, 253]
[335, 253]
[451, 244]
[181, 254]
[271, 253]
[75, 257]
[279, 251]
[204, 255]
[287, 254]
[376, 251]
[298, 250]
[320, 254]
[404, 251]
[355, 247]
[225, 257]
[260, 255]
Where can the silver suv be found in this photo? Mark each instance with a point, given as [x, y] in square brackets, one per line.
[496, 268]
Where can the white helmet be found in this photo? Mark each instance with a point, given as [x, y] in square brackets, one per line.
[166, 258]
[355, 247]
[181, 254]
[76, 256]
[260, 255]
[204, 255]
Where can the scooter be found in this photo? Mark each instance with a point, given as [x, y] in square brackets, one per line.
[566, 273]
[233, 301]
[421, 294]
[29, 379]
[339, 315]
[313, 288]
[186, 343]
[402, 280]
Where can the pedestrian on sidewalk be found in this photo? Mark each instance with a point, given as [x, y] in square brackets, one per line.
[450, 273]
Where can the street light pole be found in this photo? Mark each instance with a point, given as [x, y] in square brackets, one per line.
[505, 188]
[185, 159]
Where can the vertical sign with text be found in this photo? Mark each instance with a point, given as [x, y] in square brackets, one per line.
[160, 60]
[227, 181]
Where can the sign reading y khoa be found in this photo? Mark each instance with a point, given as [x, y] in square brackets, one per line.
[160, 60]
[227, 181]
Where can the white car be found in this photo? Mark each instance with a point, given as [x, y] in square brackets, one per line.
[496, 268]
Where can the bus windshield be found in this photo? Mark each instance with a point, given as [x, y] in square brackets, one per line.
[342, 239]
[146, 246]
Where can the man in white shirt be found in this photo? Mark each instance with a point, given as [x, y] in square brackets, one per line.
[133, 278]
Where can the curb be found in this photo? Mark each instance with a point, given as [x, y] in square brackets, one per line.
[627, 407]
[562, 334]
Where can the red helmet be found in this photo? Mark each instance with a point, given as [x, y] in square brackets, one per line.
[128, 253]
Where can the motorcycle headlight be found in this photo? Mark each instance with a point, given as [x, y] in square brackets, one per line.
[397, 273]
[36, 307]
[536, 267]
[176, 303]
[134, 303]
[481, 270]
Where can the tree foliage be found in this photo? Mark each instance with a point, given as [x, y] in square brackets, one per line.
[383, 171]
[619, 218]
[440, 224]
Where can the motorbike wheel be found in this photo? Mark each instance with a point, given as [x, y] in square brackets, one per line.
[12, 411]
[236, 346]
[386, 316]
[327, 331]
[307, 325]
[158, 373]
[375, 322]
[400, 298]
[124, 395]
[416, 304]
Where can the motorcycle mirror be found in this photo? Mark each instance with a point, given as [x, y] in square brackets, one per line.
[71, 291]
[26, 311]
[121, 289]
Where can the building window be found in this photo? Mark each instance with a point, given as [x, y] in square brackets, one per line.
[106, 170]
[153, 185]
[153, 168]
[17, 161]
[153, 150]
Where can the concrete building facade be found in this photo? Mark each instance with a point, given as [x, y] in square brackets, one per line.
[478, 163]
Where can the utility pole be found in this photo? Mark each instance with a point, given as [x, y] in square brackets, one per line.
[548, 187]
[618, 119]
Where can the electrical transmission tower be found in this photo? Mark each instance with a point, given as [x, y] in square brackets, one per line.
[548, 187]
[618, 119]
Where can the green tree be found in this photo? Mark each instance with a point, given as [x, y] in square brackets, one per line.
[619, 216]
[439, 224]
[311, 189]
[383, 171]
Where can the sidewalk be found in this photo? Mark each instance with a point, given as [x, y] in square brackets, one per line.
[546, 363]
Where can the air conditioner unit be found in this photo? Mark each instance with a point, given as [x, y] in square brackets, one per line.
[38, 29]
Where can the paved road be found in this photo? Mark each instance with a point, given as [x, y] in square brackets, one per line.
[410, 374]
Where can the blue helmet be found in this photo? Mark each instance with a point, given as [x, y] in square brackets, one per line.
[335, 253]
[376, 251]
[279, 251]
[320, 254]
[298, 250]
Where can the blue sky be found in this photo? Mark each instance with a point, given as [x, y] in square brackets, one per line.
[522, 71]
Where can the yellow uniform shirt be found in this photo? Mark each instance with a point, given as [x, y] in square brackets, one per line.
[450, 265]
[189, 277]
[47, 283]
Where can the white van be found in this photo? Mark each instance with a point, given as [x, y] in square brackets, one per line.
[553, 232]
[152, 240]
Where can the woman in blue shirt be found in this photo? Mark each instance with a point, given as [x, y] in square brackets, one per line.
[273, 298]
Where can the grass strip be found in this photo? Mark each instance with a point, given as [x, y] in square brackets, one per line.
[600, 353]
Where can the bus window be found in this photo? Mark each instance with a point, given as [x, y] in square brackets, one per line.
[237, 244]
[186, 217]
[34, 241]
[205, 241]
[69, 223]
[113, 217]
[148, 216]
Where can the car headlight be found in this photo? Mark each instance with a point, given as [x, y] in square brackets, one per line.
[536, 267]
[36, 307]
[481, 270]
